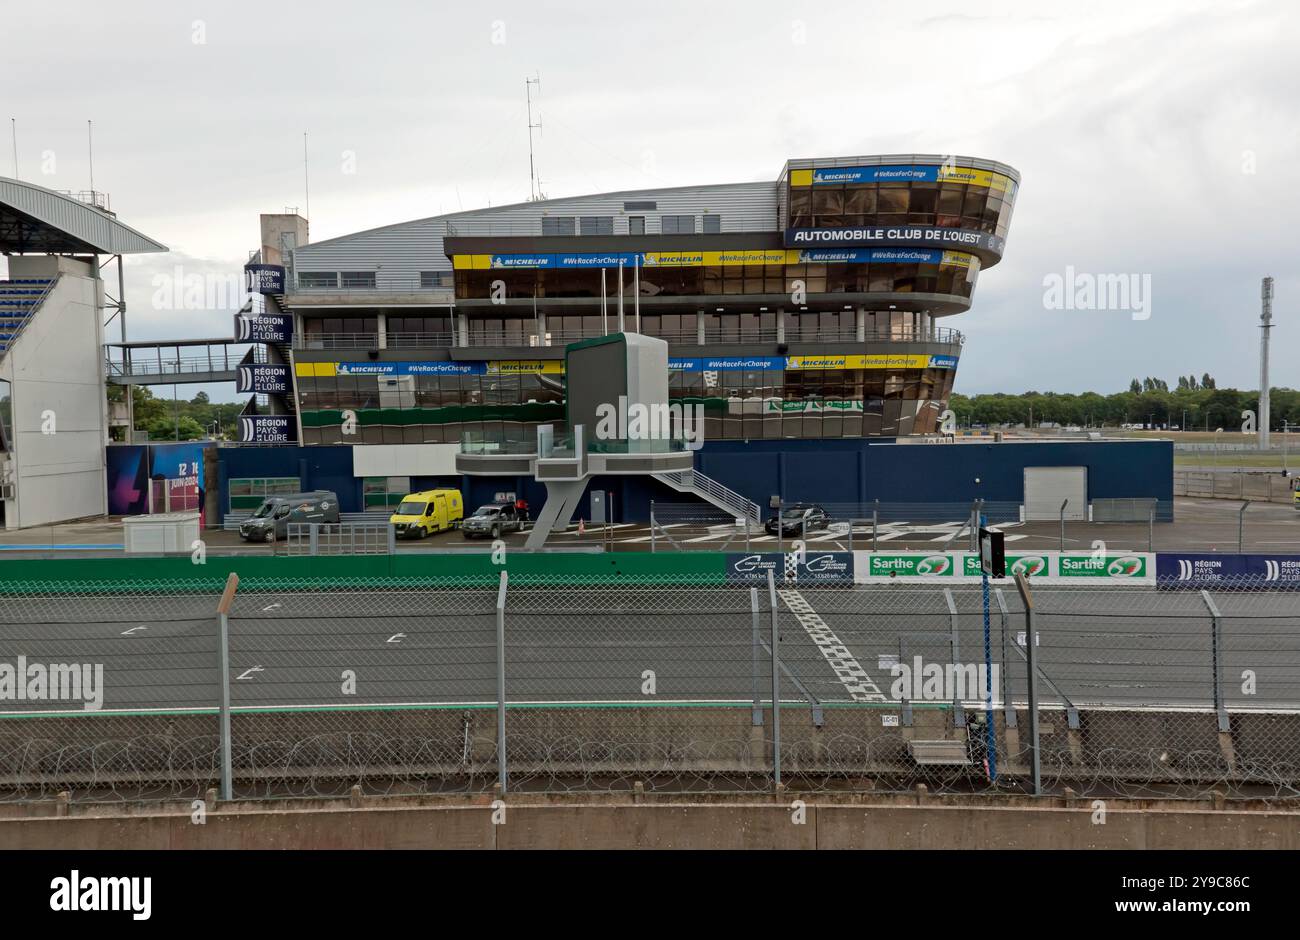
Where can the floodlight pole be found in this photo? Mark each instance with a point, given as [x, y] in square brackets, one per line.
[1031, 657]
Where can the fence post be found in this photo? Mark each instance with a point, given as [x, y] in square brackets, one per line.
[1151, 528]
[780, 527]
[757, 715]
[1241, 524]
[1217, 689]
[501, 683]
[747, 535]
[1063, 505]
[1008, 709]
[776, 684]
[391, 539]
[652, 526]
[223, 623]
[958, 710]
[313, 538]
[875, 524]
[1031, 657]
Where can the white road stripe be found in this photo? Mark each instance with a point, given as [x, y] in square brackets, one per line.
[846, 667]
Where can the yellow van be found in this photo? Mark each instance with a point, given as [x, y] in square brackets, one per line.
[426, 512]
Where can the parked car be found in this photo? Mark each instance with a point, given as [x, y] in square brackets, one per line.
[492, 520]
[798, 519]
[426, 512]
[272, 518]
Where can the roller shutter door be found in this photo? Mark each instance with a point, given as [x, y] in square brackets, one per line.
[1047, 487]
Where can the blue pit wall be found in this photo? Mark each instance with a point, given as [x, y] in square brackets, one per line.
[824, 471]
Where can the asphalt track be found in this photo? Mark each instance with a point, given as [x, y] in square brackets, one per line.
[1112, 647]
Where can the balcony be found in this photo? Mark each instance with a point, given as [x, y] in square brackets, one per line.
[530, 339]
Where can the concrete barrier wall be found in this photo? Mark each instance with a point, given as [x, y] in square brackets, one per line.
[139, 573]
[720, 825]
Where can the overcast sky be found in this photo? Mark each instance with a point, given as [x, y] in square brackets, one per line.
[1153, 138]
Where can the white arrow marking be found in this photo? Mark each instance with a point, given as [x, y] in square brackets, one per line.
[271, 606]
[395, 638]
[247, 673]
[133, 629]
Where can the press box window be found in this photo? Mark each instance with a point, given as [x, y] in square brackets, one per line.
[636, 225]
[677, 224]
[432, 279]
[597, 225]
[559, 225]
[712, 224]
[318, 279]
[360, 279]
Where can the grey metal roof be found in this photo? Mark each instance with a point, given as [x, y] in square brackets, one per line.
[36, 219]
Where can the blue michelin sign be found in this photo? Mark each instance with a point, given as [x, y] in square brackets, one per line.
[263, 328]
[434, 367]
[812, 568]
[264, 278]
[263, 379]
[1215, 569]
[266, 429]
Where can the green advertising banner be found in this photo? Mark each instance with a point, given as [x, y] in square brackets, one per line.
[915, 565]
[1103, 566]
[964, 566]
[1031, 566]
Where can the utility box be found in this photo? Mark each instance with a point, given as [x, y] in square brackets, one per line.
[160, 533]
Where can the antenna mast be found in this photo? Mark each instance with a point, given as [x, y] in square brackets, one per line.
[534, 184]
[306, 179]
[90, 149]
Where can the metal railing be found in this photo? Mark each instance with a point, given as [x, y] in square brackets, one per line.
[381, 284]
[530, 338]
[711, 490]
[126, 362]
[340, 538]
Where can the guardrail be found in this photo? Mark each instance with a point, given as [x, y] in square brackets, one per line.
[340, 538]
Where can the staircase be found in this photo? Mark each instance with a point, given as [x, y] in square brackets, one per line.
[19, 299]
[711, 491]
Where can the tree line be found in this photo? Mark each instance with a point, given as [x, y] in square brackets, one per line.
[1148, 402]
[169, 419]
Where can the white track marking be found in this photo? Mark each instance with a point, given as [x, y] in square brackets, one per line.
[847, 669]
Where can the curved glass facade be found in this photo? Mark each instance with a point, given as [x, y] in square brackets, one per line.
[939, 195]
[852, 396]
[951, 273]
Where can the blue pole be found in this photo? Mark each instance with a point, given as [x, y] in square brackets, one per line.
[990, 736]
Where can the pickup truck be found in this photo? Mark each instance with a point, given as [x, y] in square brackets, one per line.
[493, 520]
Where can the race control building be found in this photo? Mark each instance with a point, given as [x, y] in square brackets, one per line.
[809, 315]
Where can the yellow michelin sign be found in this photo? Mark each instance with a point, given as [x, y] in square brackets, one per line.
[910, 361]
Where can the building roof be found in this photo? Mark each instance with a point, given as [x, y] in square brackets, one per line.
[34, 219]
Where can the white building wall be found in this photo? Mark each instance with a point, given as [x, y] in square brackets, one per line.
[56, 372]
[398, 253]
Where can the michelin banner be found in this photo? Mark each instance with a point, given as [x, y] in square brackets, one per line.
[964, 567]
